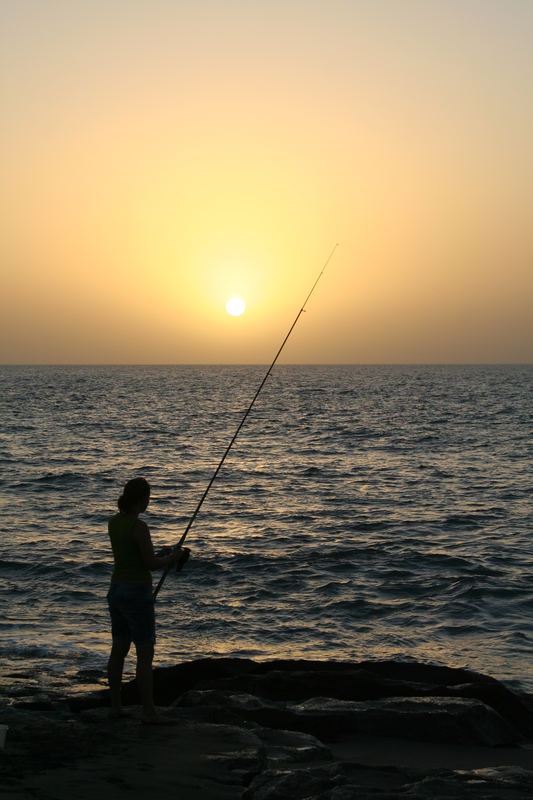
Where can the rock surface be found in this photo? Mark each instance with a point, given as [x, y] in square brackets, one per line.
[282, 729]
[431, 719]
[294, 680]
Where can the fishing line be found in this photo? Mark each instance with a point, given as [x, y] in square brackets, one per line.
[243, 420]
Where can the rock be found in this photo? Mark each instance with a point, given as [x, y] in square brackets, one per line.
[49, 739]
[291, 747]
[376, 680]
[434, 719]
[242, 754]
[367, 680]
[228, 744]
[291, 708]
[509, 705]
[503, 783]
[185, 759]
[332, 783]
[357, 684]
[294, 784]
[297, 681]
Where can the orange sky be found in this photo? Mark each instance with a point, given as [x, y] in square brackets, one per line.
[159, 157]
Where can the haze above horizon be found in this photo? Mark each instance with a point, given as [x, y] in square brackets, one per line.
[162, 158]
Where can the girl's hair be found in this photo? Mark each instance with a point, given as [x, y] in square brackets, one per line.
[135, 491]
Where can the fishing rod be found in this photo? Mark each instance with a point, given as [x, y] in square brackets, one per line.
[243, 420]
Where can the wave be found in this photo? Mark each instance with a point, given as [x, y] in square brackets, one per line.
[470, 521]
[12, 649]
[32, 568]
[95, 566]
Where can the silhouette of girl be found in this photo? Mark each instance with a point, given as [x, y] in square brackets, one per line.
[130, 600]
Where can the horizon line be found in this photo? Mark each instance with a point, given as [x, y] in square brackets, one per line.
[264, 363]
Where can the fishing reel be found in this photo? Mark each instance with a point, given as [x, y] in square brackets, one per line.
[183, 557]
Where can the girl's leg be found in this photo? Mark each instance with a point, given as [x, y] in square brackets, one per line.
[145, 682]
[115, 666]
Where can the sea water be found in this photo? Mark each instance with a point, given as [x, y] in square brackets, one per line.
[364, 512]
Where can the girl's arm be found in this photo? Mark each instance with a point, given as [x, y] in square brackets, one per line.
[141, 534]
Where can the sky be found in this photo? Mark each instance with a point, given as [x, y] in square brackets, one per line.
[159, 157]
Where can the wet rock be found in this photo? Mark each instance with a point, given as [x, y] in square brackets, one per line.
[291, 708]
[376, 680]
[294, 784]
[297, 681]
[455, 720]
[433, 719]
[509, 705]
[503, 783]
[333, 783]
[46, 740]
[243, 755]
[367, 680]
[227, 745]
[181, 759]
[357, 684]
[291, 747]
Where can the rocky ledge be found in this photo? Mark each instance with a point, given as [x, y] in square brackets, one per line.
[282, 729]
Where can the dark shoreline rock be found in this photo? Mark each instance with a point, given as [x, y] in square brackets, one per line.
[429, 719]
[282, 730]
[298, 681]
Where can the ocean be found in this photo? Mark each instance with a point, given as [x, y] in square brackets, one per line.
[364, 512]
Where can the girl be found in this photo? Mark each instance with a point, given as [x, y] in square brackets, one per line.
[131, 604]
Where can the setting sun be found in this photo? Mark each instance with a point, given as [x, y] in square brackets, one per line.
[235, 306]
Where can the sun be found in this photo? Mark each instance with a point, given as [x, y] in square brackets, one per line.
[235, 306]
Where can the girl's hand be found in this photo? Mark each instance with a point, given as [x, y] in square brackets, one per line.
[182, 557]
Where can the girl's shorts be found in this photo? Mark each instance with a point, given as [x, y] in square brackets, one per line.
[132, 611]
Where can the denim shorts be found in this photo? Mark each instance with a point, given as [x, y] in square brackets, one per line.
[132, 611]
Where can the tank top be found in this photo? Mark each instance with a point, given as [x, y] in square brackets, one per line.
[129, 565]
